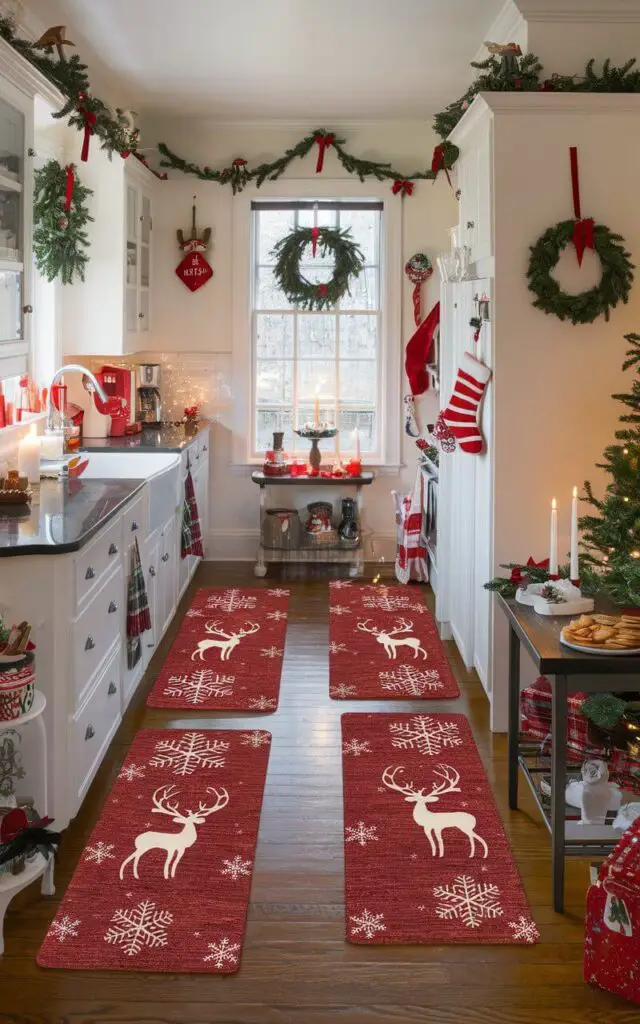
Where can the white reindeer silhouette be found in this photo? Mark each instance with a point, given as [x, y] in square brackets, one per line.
[388, 638]
[227, 642]
[434, 823]
[175, 843]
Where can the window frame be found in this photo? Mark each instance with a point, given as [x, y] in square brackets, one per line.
[389, 414]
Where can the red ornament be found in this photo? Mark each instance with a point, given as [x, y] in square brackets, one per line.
[194, 271]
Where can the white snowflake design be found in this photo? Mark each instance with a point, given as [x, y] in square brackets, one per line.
[135, 927]
[191, 751]
[339, 609]
[525, 929]
[262, 703]
[424, 734]
[361, 833]
[277, 616]
[278, 592]
[356, 747]
[236, 868]
[99, 853]
[64, 928]
[223, 952]
[468, 901]
[194, 613]
[385, 603]
[339, 584]
[271, 652]
[231, 600]
[200, 686]
[131, 772]
[412, 681]
[255, 739]
[367, 924]
[336, 648]
[342, 690]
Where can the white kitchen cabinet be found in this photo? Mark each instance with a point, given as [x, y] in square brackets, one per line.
[151, 568]
[167, 579]
[137, 301]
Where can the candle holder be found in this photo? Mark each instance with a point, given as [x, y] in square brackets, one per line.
[558, 597]
[315, 435]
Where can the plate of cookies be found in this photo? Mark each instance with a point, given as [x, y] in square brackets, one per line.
[603, 634]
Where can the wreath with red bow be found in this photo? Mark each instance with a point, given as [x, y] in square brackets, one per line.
[316, 295]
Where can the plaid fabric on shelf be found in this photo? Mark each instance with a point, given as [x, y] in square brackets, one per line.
[196, 536]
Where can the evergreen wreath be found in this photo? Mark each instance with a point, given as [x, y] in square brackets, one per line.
[59, 237]
[306, 294]
[585, 307]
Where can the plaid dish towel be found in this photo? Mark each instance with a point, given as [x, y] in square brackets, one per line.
[196, 536]
[138, 614]
[187, 539]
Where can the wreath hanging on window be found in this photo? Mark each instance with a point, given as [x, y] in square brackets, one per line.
[585, 307]
[60, 218]
[310, 295]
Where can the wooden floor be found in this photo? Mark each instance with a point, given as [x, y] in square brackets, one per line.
[296, 967]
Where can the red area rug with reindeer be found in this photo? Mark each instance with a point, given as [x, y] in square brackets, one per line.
[164, 882]
[228, 653]
[426, 857]
[384, 645]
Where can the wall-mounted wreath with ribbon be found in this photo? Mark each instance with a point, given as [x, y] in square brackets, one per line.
[311, 295]
[617, 268]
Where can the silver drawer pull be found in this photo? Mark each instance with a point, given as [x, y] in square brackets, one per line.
[470, 224]
[90, 573]
[90, 733]
[134, 526]
[90, 644]
[152, 571]
[112, 607]
[165, 558]
[112, 689]
[113, 549]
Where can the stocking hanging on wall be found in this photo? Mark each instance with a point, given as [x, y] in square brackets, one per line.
[459, 422]
[194, 270]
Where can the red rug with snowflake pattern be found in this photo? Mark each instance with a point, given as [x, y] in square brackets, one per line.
[426, 857]
[384, 645]
[164, 882]
[228, 653]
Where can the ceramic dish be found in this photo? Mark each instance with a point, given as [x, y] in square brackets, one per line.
[607, 651]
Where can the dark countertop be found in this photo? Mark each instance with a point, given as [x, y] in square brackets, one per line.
[169, 437]
[258, 477]
[67, 516]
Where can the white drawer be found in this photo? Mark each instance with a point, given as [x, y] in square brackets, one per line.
[94, 725]
[135, 519]
[93, 632]
[94, 561]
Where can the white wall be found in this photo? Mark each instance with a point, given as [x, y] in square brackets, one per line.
[193, 331]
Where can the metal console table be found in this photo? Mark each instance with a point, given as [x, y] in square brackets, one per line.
[352, 556]
[569, 671]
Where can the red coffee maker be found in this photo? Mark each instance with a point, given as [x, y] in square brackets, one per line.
[119, 382]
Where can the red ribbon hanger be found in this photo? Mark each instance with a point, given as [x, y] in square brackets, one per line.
[315, 234]
[323, 142]
[90, 120]
[438, 163]
[70, 182]
[583, 230]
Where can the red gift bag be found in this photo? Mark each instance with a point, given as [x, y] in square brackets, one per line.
[612, 926]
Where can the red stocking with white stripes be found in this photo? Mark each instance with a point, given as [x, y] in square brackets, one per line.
[461, 415]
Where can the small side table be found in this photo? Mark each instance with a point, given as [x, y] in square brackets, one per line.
[352, 556]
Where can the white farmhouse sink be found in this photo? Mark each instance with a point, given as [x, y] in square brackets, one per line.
[161, 470]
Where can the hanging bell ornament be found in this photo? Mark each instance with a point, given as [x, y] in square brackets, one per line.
[418, 269]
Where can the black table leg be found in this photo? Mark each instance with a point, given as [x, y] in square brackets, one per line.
[558, 787]
[514, 716]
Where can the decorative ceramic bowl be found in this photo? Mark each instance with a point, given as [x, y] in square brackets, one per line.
[17, 688]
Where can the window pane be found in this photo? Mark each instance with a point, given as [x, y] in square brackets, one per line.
[316, 336]
[325, 218]
[269, 295]
[274, 382]
[358, 381]
[268, 421]
[358, 336]
[364, 291]
[272, 226]
[274, 336]
[363, 225]
[316, 377]
[366, 424]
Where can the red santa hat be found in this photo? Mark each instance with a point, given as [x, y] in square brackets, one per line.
[418, 352]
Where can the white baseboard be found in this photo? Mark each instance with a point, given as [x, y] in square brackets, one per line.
[242, 545]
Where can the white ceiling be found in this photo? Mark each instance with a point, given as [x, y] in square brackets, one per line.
[300, 59]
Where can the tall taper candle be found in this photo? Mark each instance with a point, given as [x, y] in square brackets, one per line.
[574, 571]
[553, 545]
[316, 411]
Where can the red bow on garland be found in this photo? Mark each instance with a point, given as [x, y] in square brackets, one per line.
[544, 564]
[520, 578]
[323, 142]
[70, 182]
[90, 119]
[438, 162]
[405, 188]
[583, 233]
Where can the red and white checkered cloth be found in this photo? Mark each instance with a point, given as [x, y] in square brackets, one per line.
[196, 536]
[411, 557]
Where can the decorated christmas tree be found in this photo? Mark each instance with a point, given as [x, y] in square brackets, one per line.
[611, 534]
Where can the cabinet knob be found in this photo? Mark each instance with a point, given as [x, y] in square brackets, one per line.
[113, 549]
[204, 448]
[165, 557]
[152, 571]
[112, 607]
[90, 644]
[140, 316]
[27, 309]
[90, 573]
[470, 224]
[90, 733]
[112, 689]
[134, 526]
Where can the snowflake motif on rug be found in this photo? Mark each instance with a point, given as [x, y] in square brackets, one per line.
[262, 703]
[339, 584]
[277, 616]
[424, 734]
[411, 680]
[131, 772]
[385, 602]
[231, 600]
[339, 609]
[236, 868]
[278, 592]
[356, 747]
[343, 691]
[361, 833]
[255, 739]
[64, 928]
[99, 853]
[468, 901]
[223, 952]
[525, 929]
[336, 648]
[367, 924]
[200, 686]
[194, 613]
[271, 652]
[191, 751]
[136, 927]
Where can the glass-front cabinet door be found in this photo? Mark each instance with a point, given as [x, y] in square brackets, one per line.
[138, 268]
[16, 186]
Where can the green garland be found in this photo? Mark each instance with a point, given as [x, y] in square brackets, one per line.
[59, 236]
[585, 307]
[349, 263]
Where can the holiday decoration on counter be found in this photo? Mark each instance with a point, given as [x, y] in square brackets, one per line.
[349, 263]
[418, 269]
[460, 418]
[521, 575]
[194, 270]
[60, 217]
[617, 268]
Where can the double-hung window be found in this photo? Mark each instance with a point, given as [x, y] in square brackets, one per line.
[335, 355]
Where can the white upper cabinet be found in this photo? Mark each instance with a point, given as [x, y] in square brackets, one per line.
[474, 182]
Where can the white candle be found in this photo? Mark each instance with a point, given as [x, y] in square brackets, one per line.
[574, 571]
[553, 546]
[29, 457]
[316, 411]
[51, 446]
[356, 435]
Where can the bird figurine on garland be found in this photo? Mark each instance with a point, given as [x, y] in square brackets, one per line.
[54, 36]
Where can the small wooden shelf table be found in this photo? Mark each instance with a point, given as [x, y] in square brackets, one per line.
[354, 557]
[569, 671]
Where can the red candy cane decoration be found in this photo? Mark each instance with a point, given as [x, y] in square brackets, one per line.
[418, 270]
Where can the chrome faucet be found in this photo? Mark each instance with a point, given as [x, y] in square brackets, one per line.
[49, 428]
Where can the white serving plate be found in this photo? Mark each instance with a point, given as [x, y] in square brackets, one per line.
[598, 650]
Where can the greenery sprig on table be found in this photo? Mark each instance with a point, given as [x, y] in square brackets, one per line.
[521, 575]
[60, 239]
[349, 263]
